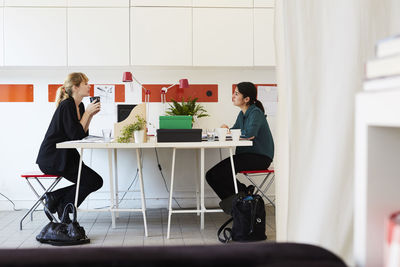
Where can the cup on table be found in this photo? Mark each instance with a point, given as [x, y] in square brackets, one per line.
[221, 132]
[236, 134]
[106, 135]
[210, 133]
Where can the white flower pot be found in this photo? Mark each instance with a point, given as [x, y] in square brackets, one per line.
[139, 136]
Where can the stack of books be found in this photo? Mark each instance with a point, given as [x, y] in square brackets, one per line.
[383, 72]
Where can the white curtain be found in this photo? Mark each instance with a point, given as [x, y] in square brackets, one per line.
[322, 46]
[319, 72]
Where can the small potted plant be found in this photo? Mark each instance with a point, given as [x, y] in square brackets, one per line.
[138, 129]
[187, 108]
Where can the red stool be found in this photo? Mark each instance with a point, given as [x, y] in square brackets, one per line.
[37, 176]
[268, 180]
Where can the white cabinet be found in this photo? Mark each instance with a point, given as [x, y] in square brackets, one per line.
[161, 36]
[164, 3]
[1, 37]
[264, 3]
[35, 3]
[222, 37]
[264, 42]
[98, 36]
[222, 3]
[98, 3]
[35, 36]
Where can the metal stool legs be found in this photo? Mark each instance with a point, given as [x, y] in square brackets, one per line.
[259, 187]
[40, 198]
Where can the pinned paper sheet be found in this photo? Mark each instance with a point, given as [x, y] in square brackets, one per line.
[268, 96]
[107, 98]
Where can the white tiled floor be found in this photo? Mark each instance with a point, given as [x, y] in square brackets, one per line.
[185, 228]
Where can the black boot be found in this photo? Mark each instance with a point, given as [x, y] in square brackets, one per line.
[50, 202]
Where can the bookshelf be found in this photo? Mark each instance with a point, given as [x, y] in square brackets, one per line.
[377, 172]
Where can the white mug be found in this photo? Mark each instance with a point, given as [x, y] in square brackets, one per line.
[236, 134]
[221, 132]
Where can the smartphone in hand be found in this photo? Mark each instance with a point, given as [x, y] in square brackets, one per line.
[93, 98]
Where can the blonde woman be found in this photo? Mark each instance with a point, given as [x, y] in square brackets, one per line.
[70, 122]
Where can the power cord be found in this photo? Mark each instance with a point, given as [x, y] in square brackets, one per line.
[162, 175]
[11, 202]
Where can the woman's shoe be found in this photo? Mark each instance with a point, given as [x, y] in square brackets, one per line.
[50, 202]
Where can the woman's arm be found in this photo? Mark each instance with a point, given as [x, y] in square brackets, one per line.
[92, 109]
[255, 120]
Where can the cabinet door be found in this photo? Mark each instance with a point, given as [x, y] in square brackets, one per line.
[35, 3]
[1, 36]
[98, 36]
[264, 3]
[98, 3]
[222, 3]
[161, 36]
[222, 37]
[35, 36]
[264, 40]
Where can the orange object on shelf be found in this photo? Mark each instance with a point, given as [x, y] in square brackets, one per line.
[16, 92]
[204, 92]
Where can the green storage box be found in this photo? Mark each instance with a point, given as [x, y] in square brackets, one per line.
[175, 122]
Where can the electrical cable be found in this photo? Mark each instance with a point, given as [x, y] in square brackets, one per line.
[162, 175]
[11, 202]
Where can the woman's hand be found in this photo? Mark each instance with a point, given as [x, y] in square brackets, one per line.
[225, 126]
[93, 108]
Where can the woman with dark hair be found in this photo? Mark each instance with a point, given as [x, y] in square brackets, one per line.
[254, 126]
[70, 122]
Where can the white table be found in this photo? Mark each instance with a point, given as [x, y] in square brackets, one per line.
[112, 147]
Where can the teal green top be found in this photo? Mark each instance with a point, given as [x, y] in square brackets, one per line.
[254, 123]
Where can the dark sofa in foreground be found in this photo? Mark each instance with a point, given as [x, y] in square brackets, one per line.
[243, 254]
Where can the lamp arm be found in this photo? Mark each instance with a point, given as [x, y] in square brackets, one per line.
[139, 82]
[165, 90]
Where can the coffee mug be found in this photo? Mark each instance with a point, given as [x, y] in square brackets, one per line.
[236, 134]
[221, 132]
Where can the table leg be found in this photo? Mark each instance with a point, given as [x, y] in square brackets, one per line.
[116, 182]
[78, 180]
[233, 170]
[142, 191]
[171, 189]
[111, 187]
[203, 208]
[197, 178]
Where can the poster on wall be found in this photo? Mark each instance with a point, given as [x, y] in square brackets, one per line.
[107, 98]
[268, 96]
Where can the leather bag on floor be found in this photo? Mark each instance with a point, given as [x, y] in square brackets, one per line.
[64, 233]
[248, 216]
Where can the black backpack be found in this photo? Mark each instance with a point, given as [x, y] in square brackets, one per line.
[248, 216]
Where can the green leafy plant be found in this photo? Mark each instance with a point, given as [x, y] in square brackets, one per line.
[187, 108]
[126, 133]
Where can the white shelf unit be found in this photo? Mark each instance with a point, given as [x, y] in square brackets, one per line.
[165, 41]
[98, 36]
[377, 172]
[1, 36]
[35, 36]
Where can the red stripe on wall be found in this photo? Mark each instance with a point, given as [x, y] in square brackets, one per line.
[16, 92]
[195, 90]
[119, 92]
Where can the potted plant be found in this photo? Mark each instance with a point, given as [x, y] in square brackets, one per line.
[138, 129]
[187, 108]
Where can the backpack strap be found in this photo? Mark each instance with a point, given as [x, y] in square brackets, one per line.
[227, 232]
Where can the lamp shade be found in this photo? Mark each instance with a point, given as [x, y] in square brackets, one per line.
[183, 83]
[127, 77]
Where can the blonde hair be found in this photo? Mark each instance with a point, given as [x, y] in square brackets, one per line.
[65, 91]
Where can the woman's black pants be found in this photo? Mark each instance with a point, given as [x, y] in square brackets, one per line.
[90, 182]
[220, 176]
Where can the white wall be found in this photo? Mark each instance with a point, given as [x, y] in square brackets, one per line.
[24, 126]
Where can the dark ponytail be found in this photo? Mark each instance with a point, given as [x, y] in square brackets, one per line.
[248, 89]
